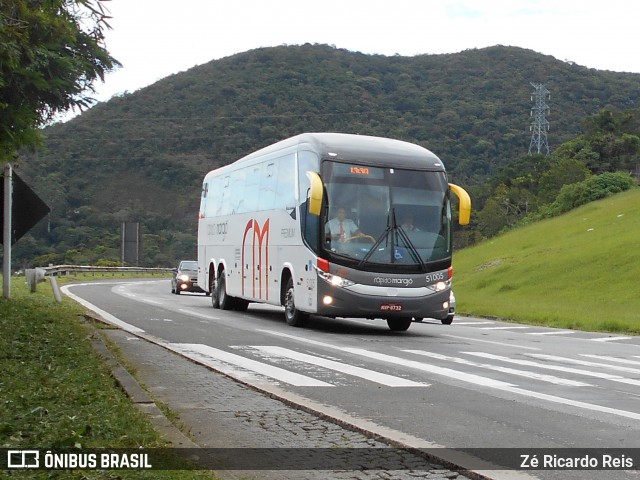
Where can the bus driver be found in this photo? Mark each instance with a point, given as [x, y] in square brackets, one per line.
[340, 228]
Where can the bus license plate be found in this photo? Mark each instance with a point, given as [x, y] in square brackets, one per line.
[391, 307]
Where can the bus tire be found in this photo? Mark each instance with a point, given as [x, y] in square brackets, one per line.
[292, 315]
[226, 301]
[448, 320]
[399, 324]
[215, 299]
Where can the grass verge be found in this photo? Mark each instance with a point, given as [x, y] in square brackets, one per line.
[56, 392]
[579, 270]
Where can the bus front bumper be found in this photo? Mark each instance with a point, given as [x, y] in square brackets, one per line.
[383, 302]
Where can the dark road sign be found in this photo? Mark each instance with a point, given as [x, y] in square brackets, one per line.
[27, 208]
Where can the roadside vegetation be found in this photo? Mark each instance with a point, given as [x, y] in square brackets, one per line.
[470, 108]
[56, 392]
[93, 276]
[578, 270]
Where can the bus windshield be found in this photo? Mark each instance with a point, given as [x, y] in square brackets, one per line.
[385, 218]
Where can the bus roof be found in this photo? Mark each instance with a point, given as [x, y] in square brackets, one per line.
[375, 151]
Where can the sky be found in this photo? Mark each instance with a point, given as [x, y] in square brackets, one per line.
[156, 38]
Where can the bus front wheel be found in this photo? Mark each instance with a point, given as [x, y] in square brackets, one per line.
[399, 324]
[293, 316]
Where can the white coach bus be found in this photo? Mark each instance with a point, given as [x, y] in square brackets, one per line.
[270, 230]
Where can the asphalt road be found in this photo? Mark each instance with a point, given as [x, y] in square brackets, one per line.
[474, 384]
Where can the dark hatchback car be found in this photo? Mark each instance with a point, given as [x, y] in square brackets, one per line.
[185, 278]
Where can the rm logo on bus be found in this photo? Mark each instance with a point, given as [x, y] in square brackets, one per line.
[261, 235]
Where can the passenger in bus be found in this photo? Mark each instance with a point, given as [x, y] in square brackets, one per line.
[408, 225]
[340, 228]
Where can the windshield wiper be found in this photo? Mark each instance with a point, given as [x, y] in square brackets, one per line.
[408, 243]
[392, 230]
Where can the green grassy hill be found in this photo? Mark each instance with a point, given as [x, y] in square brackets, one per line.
[580, 270]
[141, 156]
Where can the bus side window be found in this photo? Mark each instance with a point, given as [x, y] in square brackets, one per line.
[307, 162]
[237, 192]
[203, 198]
[252, 189]
[268, 182]
[225, 200]
[213, 197]
[310, 224]
[285, 188]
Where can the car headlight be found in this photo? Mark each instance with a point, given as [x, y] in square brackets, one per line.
[335, 280]
[184, 278]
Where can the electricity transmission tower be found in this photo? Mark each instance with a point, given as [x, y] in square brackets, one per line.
[539, 124]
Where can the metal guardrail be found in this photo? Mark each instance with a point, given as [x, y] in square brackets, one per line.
[37, 275]
[67, 270]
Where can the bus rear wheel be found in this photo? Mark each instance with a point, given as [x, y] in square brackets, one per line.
[215, 299]
[399, 324]
[225, 301]
[292, 315]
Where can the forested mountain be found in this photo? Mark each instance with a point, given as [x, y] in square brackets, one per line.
[141, 156]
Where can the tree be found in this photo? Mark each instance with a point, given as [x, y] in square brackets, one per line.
[564, 172]
[51, 53]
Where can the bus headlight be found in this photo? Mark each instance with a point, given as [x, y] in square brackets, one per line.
[440, 286]
[335, 280]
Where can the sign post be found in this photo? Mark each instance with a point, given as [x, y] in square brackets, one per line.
[6, 232]
[16, 194]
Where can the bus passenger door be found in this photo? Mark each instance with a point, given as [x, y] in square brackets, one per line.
[255, 260]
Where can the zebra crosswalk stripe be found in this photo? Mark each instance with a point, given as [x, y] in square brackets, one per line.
[371, 375]
[221, 360]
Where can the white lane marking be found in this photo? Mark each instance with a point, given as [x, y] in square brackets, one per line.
[371, 375]
[148, 300]
[217, 358]
[490, 342]
[474, 379]
[575, 403]
[523, 373]
[586, 363]
[488, 322]
[503, 328]
[611, 359]
[105, 315]
[447, 372]
[609, 339]
[121, 289]
[588, 373]
[559, 332]
[194, 313]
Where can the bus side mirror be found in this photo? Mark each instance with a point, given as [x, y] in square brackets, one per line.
[315, 193]
[464, 204]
